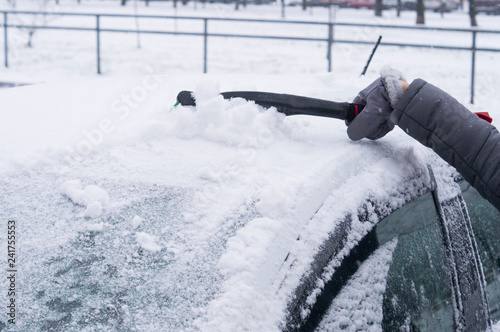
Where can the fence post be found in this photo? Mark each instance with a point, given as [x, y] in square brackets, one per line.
[205, 41]
[97, 29]
[330, 43]
[6, 44]
[473, 71]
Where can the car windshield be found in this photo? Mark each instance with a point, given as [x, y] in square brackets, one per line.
[144, 265]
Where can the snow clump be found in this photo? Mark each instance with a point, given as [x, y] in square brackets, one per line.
[136, 222]
[93, 210]
[95, 227]
[147, 241]
[92, 197]
[234, 122]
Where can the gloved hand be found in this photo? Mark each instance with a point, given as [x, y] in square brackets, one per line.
[379, 99]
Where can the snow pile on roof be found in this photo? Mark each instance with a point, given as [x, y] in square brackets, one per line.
[234, 122]
[93, 198]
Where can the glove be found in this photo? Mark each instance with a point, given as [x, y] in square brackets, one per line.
[379, 99]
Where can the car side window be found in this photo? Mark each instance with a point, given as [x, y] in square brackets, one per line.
[415, 293]
[418, 295]
[485, 219]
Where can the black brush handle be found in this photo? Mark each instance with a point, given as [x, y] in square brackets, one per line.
[288, 104]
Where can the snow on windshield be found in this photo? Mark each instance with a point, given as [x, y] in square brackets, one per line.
[177, 217]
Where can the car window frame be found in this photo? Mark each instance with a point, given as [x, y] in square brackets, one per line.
[471, 312]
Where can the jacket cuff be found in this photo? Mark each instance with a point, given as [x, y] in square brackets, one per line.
[405, 99]
[393, 86]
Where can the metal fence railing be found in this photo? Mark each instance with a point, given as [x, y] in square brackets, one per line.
[329, 39]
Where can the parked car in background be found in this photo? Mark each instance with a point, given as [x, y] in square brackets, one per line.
[360, 3]
[488, 6]
[435, 5]
[340, 3]
[389, 4]
[318, 3]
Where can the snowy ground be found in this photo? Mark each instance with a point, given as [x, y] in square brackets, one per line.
[178, 55]
[105, 149]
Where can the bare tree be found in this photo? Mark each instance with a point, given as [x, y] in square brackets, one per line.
[137, 27]
[45, 8]
[378, 8]
[420, 12]
[472, 13]
[243, 2]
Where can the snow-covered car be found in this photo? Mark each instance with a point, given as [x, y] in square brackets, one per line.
[132, 216]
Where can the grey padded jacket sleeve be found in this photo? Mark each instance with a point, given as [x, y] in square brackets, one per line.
[468, 143]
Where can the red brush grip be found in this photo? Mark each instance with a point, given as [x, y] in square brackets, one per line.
[485, 116]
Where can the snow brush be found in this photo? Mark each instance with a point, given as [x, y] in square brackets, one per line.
[287, 104]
